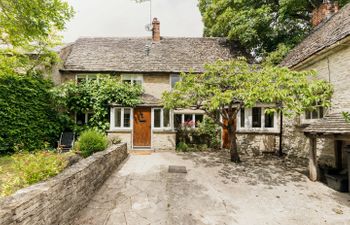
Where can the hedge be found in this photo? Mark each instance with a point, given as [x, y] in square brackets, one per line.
[28, 119]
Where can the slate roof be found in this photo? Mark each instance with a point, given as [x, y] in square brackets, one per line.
[129, 54]
[326, 34]
[333, 123]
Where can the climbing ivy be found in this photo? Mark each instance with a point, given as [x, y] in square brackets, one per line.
[28, 119]
[95, 96]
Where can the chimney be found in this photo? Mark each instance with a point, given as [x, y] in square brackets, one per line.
[325, 11]
[336, 7]
[155, 30]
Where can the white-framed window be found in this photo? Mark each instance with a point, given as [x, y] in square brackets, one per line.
[174, 78]
[80, 78]
[316, 114]
[121, 118]
[161, 118]
[187, 119]
[256, 119]
[83, 118]
[132, 78]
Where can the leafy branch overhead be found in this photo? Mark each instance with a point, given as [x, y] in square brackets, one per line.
[260, 27]
[227, 86]
[240, 84]
[29, 31]
[23, 22]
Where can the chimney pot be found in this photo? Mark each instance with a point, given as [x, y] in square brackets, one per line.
[336, 7]
[155, 30]
[325, 11]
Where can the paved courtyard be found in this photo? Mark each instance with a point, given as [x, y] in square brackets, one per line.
[214, 191]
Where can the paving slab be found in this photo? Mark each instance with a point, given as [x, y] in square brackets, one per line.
[260, 190]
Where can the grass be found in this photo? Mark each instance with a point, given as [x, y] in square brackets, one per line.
[6, 170]
[24, 169]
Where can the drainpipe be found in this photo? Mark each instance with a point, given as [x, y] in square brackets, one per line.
[280, 106]
[280, 152]
[347, 148]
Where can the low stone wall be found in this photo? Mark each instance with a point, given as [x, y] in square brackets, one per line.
[257, 143]
[59, 199]
[164, 140]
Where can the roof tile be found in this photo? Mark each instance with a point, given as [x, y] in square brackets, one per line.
[129, 54]
[326, 34]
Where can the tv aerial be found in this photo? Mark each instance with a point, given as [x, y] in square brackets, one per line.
[148, 27]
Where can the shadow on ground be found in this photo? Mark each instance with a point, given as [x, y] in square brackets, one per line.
[264, 169]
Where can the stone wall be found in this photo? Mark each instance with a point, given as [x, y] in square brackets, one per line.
[256, 144]
[125, 136]
[295, 143]
[59, 199]
[333, 67]
[156, 84]
[164, 140]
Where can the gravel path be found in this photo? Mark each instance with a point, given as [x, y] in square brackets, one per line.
[258, 191]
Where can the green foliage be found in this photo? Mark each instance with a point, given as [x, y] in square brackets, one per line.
[346, 116]
[29, 168]
[29, 32]
[27, 114]
[23, 22]
[206, 135]
[96, 96]
[234, 84]
[91, 141]
[209, 133]
[227, 86]
[275, 57]
[182, 147]
[259, 26]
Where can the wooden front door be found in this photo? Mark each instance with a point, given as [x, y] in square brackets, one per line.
[142, 127]
[226, 143]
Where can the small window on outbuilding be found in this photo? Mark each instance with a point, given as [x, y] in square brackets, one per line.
[318, 113]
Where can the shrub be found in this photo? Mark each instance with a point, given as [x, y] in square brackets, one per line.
[28, 118]
[29, 168]
[91, 141]
[182, 147]
[209, 133]
[206, 135]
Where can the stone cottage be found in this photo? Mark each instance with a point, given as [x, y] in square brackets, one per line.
[323, 134]
[156, 64]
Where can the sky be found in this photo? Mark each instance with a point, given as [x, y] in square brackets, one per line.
[125, 18]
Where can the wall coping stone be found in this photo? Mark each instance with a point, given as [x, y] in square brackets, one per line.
[46, 202]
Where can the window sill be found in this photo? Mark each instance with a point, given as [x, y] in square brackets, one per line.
[163, 130]
[258, 131]
[125, 130]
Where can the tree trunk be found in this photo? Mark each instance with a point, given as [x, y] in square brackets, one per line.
[231, 127]
[313, 168]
